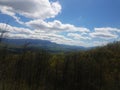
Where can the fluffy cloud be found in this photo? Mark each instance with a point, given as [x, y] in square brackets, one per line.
[15, 32]
[41, 9]
[78, 36]
[55, 26]
[107, 29]
[72, 38]
[38, 11]
[105, 33]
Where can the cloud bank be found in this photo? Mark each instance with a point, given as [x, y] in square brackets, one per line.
[41, 9]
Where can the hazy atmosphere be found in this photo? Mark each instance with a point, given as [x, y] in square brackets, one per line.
[72, 22]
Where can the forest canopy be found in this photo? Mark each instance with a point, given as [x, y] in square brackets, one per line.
[95, 69]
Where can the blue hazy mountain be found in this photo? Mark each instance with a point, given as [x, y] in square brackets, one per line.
[44, 44]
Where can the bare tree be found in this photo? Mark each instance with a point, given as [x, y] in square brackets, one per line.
[3, 32]
[2, 35]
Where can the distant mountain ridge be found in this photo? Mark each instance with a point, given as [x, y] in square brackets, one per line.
[44, 44]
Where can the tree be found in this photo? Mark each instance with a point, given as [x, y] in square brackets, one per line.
[3, 31]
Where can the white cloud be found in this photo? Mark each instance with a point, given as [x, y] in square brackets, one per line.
[107, 29]
[18, 36]
[55, 26]
[98, 43]
[15, 30]
[41, 9]
[78, 36]
[105, 33]
[78, 39]
[6, 10]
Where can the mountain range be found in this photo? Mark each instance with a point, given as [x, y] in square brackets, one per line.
[37, 44]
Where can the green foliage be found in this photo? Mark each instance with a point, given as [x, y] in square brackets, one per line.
[96, 69]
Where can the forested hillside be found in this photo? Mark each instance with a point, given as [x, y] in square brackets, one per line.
[36, 44]
[96, 69]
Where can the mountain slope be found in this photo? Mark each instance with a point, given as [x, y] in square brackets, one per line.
[43, 44]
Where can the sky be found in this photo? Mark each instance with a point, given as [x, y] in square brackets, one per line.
[72, 22]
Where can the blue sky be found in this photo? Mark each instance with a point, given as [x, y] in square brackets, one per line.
[73, 22]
